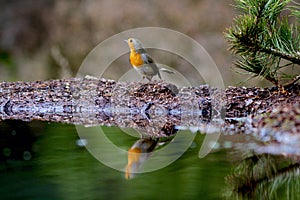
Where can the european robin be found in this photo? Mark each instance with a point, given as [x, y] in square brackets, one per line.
[137, 154]
[141, 61]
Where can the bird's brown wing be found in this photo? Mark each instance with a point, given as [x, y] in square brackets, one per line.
[148, 60]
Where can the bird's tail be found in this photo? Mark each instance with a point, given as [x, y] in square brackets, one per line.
[166, 70]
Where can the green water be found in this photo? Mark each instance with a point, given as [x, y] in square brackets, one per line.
[58, 168]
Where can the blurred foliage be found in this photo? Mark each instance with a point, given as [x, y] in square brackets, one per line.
[267, 39]
[5, 58]
[7, 62]
[30, 29]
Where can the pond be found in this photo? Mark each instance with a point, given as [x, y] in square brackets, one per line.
[49, 161]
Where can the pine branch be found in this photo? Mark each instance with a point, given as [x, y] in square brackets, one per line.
[287, 56]
[262, 37]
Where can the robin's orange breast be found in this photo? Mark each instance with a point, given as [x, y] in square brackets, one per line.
[136, 59]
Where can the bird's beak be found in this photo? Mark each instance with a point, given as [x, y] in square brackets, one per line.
[125, 41]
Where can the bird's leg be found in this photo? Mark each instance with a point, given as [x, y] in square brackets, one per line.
[149, 78]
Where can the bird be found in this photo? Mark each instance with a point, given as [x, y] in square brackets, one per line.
[138, 154]
[142, 62]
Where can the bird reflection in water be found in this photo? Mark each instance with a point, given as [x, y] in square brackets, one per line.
[138, 154]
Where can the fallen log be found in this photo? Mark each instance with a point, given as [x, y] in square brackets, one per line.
[158, 108]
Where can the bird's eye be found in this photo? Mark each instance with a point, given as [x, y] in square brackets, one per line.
[130, 40]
